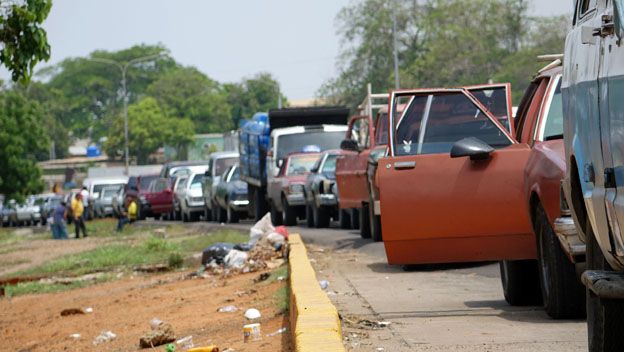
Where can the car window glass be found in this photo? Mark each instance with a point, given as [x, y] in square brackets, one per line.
[584, 7]
[382, 129]
[523, 108]
[109, 192]
[220, 165]
[132, 182]
[146, 180]
[329, 166]
[181, 184]
[494, 99]
[197, 181]
[360, 132]
[433, 123]
[553, 126]
[160, 185]
[235, 174]
[299, 165]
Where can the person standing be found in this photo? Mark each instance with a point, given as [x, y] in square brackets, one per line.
[84, 194]
[127, 216]
[59, 230]
[78, 213]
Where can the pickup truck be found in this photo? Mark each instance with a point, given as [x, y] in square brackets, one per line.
[593, 103]
[267, 139]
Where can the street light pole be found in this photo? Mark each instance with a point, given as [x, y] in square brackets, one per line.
[123, 67]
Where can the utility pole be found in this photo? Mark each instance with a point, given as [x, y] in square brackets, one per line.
[123, 67]
[397, 82]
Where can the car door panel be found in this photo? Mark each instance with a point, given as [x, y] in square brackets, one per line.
[351, 167]
[459, 210]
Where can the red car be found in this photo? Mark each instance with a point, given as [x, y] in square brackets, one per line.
[286, 190]
[158, 199]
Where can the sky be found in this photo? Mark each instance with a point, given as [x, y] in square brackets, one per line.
[294, 40]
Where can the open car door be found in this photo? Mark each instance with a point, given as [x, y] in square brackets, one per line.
[451, 188]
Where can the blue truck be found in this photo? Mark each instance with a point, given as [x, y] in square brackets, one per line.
[267, 138]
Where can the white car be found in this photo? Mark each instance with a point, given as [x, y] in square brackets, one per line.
[191, 198]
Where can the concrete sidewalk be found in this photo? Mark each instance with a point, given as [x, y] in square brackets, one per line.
[443, 308]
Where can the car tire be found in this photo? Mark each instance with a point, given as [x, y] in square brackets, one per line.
[289, 214]
[520, 279]
[260, 204]
[157, 217]
[309, 216]
[232, 216]
[604, 316]
[141, 213]
[185, 217]
[344, 219]
[355, 218]
[276, 216]
[562, 292]
[375, 222]
[321, 217]
[207, 213]
[365, 231]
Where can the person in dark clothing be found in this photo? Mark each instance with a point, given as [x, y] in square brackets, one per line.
[59, 230]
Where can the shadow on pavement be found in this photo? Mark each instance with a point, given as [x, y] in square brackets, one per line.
[528, 314]
[382, 267]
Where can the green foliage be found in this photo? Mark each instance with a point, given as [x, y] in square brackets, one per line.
[258, 93]
[175, 260]
[36, 287]
[149, 128]
[24, 41]
[22, 137]
[440, 43]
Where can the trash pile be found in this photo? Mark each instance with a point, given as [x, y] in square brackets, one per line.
[267, 247]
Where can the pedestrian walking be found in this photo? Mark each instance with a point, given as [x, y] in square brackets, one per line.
[84, 194]
[127, 216]
[78, 213]
[59, 229]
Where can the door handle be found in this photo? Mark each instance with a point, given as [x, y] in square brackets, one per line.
[404, 165]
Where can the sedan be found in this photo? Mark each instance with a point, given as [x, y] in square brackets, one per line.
[231, 196]
[320, 191]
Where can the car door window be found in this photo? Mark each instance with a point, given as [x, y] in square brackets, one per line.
[181, 184]
[432, 123]
[329, 166]
[494, 99]
[235, 175]
[553, 126]
[381, 131]
[360, 132]
[160, 186]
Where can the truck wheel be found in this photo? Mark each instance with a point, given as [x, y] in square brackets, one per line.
[276, 216]
[309, 216]
[344, 218]
[562, 291]
[355, 218]
[604, 316]
[364, 222]
[520, 279]
[232, 216]
[289, 214]
[321, 217]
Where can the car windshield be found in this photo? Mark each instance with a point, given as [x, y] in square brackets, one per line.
[619, 7]
[301, 164]
[109, 192]
[292, 143]
[220, 165]
[98, 188]
[197, 181]
[553, 128]
[146, 180]
[432, 123]
[329, 166]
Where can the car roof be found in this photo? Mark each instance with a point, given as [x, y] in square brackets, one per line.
[220, 155]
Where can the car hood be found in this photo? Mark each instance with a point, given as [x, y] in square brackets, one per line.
[195, 192]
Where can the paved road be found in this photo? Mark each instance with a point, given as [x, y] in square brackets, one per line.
[432, 308]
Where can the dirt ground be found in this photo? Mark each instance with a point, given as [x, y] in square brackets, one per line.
[126, 306]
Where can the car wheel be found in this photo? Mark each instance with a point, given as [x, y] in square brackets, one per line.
[309, 216]
[321, 217]
[185, 217]
[355, 218]
[562, 291]
[157, 217]
[276, 216]
[604, 316]
[232, 216]
[375, 222]
[207, 214]
[364, 222]
[289, 215]
[344, 218]
[520, 279]
[141, 213]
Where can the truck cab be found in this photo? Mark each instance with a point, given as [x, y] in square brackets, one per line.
[593, 86]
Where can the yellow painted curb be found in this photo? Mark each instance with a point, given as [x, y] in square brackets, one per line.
[315, 325]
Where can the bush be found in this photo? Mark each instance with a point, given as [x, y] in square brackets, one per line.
[175, 260]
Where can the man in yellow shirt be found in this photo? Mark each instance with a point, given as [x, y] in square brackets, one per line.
[128, 217]
[78, 214]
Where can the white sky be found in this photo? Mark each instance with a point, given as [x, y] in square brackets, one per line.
[294, 40]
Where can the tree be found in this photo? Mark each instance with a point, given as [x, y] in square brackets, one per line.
[188, 93]
[24, 41]
[22, 136]
[91, 91]
[149, 128]
[258, 93]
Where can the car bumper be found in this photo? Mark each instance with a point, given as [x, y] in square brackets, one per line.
[295, 199]
[326, 200]
[239, 205]
[566, 232]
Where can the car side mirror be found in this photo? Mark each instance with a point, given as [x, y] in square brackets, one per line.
[350, 145]
[472, 147]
